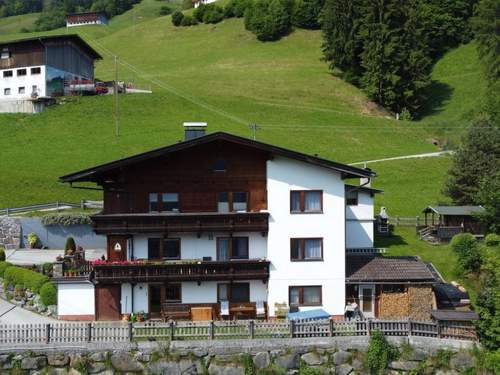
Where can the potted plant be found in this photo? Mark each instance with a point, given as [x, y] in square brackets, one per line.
[141, 315]
[133, 317]
[33, 240]
[125, 317]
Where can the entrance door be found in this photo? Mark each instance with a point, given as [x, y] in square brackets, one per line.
[367, 300]
[117, 248]
[108, 302]
[155, 299]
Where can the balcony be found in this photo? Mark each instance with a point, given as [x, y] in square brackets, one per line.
[181, 222]
[253, 269]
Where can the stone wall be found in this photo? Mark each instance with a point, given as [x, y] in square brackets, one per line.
[10, 232]
[233, 357]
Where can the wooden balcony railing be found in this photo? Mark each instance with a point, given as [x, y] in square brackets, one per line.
[196, 271]
[181, 222]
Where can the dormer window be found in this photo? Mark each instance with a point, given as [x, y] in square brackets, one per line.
[220, 165]
[5, 54]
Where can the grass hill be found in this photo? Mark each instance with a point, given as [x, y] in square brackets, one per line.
[223, 75]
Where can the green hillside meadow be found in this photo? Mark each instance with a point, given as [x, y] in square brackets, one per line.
[221, 74]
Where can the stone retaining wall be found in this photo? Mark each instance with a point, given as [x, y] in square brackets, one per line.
[236, 357]
[10, 232]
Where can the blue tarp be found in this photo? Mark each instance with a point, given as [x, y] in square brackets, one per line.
[309, 314]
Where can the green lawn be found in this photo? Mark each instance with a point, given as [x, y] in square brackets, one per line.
[14, 24]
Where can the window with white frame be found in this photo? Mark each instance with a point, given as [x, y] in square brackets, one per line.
[6, 91]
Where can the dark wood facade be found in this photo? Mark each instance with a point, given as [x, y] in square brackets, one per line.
[192, 174]
[30, 53]
[107, 300]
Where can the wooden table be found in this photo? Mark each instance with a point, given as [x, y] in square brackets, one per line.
[201, 313]
[242, 310]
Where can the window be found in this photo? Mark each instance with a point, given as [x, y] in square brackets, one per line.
[220, 165]
[306, 201]
[6, 91]
[21, 90]
[306, 249]
[232, 248]
[36, 70]
[171, 248]
[7, 73]
[223, 202]
[351, 197]
[305, 295]
[34, 89]
[154, 248]
[153, 202]
[239, 201]
[21, 72]
[232, 201]
[235, 292]
[167, 248]
[173, 293]
[170, 202]
[5, 54]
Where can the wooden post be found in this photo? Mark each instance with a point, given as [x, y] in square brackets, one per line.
[89, 332]
[438, 329]
[292, 327]
[331, 328]
[130, 331]
[409, 327]
[368, 327]
[47, 333]
[251, 333]
[172, 331]
[211, 330]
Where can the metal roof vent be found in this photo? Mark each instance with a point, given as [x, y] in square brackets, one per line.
[194, 130]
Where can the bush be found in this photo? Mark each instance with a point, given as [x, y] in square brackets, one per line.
[165, 10]
[33, 240]
[70, 245]
[492, 239]
[3, 267]
[48, 294]
[213, 15]
[66, 219]
[2, 254]
[26, 278]
[379, 353]
[306, 13]
[469, 255]
[199, 12]
[188, 21]
[47, 268]
[177, 18]
[269, 20]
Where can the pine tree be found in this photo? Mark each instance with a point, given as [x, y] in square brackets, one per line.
[477, 157]
[342, 46]
[306, 13]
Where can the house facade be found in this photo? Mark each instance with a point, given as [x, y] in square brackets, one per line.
[222, 221]
[39, 67]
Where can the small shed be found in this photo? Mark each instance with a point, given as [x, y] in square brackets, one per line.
[451, 220]
[456, 323]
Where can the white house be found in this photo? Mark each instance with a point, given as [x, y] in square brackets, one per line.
[40, 67]
[222, 226]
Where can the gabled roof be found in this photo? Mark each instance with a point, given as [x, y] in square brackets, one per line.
[387, 269]
[455, 210]
[75, 38]
[92, 174]
[366, 189]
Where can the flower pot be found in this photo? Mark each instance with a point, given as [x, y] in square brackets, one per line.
[125, 317]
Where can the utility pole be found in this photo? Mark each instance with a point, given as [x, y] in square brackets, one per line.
[254, 128]
[117, 110]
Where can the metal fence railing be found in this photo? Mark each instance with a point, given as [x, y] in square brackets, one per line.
[55, 206]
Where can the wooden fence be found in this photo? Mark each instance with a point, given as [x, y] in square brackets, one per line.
[82, 332]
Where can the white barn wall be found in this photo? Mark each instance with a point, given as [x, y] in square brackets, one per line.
[26, 81]
[284, 175]
[75, 301]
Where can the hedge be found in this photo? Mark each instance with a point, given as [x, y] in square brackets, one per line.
[3, 267]
[27, 278]
[48, 294]
[66, 219]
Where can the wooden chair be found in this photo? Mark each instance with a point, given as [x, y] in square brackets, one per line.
[175, 311]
